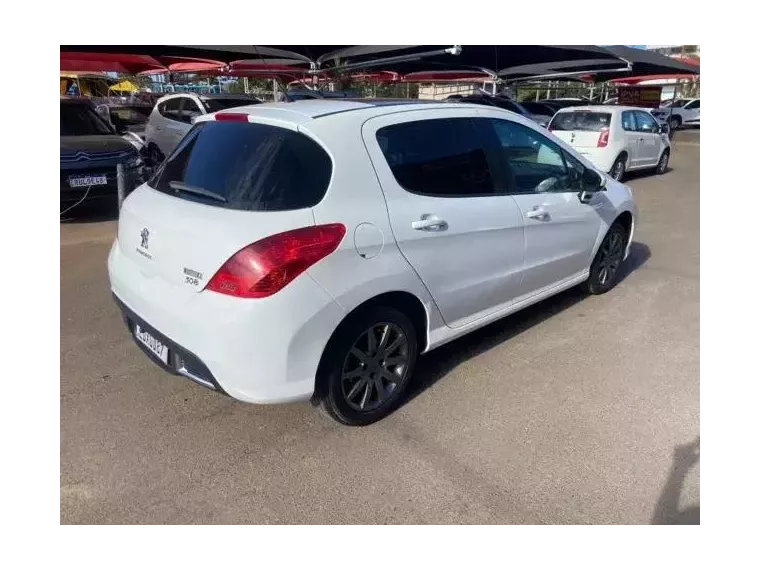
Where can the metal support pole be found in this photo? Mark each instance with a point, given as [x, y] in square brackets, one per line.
[121, 183]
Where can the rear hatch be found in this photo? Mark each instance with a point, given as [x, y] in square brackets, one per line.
[228, 184]
[580, 128]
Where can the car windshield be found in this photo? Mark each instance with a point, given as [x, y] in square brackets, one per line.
[214, 105]
[580, 121]
[79, 120]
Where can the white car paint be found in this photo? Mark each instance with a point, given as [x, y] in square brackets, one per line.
[489, 257]
[638, 141]
[174, 115]
[684, 115]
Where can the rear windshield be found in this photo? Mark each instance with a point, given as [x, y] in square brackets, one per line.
[580, 121]
[214, 105]
[246, 166]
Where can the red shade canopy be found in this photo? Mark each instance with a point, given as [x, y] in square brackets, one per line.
[135, 64]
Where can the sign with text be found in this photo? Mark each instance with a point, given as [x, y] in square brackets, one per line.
[640, 96]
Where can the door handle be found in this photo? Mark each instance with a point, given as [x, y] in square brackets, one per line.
[429, 223]
[537, 213]
[641, 139]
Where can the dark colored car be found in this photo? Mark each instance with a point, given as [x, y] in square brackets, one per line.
[495, 101]
[540, 107]
[564, 103]
[90, 151]
[301, 94]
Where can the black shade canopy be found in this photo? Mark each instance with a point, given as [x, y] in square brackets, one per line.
[644, 62]
[513, 62]
[492, 58]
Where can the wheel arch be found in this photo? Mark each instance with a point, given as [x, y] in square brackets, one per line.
[626, 219]
[403, 301]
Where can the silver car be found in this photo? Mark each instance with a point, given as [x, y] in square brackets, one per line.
[173, 116]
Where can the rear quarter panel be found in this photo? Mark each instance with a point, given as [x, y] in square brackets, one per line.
[368, 262]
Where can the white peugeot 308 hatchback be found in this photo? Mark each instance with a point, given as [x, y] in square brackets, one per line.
[303, 250]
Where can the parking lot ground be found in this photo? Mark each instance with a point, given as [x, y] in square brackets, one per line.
[578, 410]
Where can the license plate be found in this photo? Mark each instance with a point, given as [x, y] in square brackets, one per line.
[153, 344]
[97, 180]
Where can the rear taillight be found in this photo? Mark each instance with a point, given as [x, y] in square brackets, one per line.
[604, 138]
[242, 117]
[263, 268]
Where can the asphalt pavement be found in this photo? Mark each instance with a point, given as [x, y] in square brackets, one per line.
[578, 410]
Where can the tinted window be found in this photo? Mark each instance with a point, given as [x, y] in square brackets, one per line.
[693, 105]
[580, 121]
[530, 162]
[645, 123]
[214, 105]
[629, 122]
[439, 157]
[81, 120]
[251, 166]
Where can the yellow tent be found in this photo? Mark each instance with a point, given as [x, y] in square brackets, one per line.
[125, 86]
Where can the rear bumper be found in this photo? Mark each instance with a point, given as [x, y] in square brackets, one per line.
[602, 158]
[262, 351]
[181, 361]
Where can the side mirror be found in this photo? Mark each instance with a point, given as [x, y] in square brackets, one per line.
[664, 128]
[591, 183]
[105, 114]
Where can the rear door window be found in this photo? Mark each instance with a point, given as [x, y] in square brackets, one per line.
[629, 121]
[437, 157]
[246, 166]
[580, 121]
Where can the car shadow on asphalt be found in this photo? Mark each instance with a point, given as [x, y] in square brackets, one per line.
[667, 510]
[436, 364]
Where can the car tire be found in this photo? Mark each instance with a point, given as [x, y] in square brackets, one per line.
[618, 168]
[360, 386]
[662, 164]
[605, 269]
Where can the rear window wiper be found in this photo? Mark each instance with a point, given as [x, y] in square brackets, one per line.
[197, 190]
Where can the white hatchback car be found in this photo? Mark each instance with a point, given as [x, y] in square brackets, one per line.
[615, 139]
[173, 116]
[313, 249]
